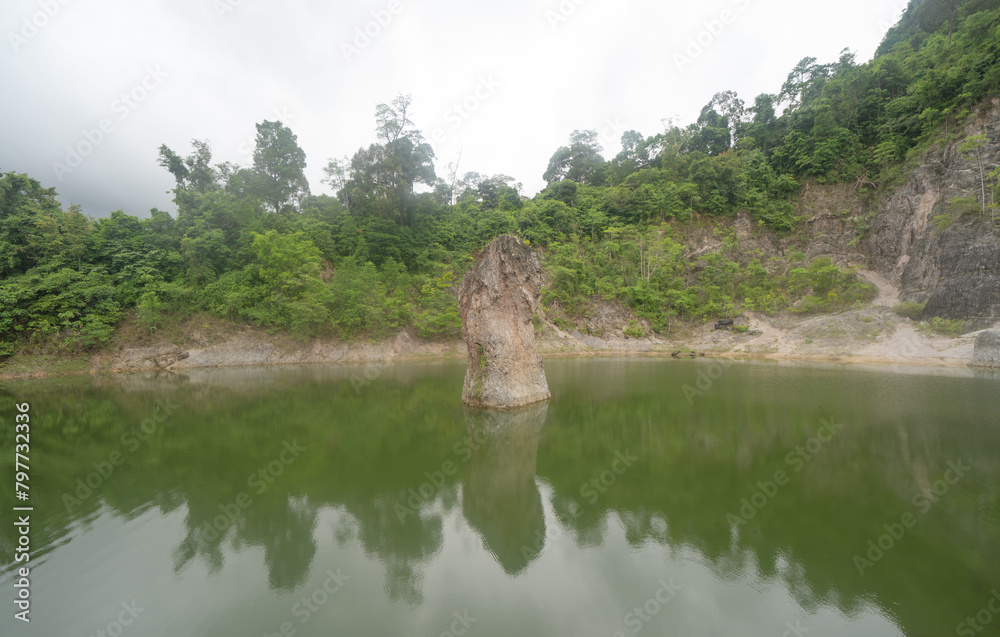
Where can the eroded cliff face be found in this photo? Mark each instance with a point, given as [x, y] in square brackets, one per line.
[937, 249]
[987, 349]
[497, 301]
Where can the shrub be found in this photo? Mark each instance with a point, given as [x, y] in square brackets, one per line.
[910, 309]
[945, 327]
[634, 330]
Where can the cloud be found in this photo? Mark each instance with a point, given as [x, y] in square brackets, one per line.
[557, 66]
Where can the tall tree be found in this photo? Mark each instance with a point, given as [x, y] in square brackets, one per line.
[972, 148]
[279, 165]
[581, 161]
[803, 82]
[338, 174]
[392, 120]
[387, 171]
[498, 191]
[933, 13]
[729, 105]
[194, 174]
[24, 205]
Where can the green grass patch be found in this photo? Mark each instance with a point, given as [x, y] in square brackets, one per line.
[945, 327]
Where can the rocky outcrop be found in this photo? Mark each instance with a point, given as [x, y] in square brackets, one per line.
[987, 350]
[258, 348]
[968, 287]
[931, 238]
[497, 300]
[150, 358]
[831, 213]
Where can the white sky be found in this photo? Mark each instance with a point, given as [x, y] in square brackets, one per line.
[214, 68]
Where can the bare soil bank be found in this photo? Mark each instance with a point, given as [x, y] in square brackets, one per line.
[869, 335]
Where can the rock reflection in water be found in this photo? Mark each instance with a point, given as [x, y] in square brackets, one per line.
[501, 500]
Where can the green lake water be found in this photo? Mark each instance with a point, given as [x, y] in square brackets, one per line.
[650, 496]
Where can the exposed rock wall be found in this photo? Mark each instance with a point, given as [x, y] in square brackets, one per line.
[968, 287]
[257, 348]
[830, 213]
[938, 250]
[497, 301]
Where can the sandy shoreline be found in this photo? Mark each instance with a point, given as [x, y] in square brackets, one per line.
[636, 349]
[806, 358]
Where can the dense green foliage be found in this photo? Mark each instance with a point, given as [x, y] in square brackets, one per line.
[648, 272]
[386, 251]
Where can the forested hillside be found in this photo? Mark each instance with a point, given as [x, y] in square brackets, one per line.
[251, 243]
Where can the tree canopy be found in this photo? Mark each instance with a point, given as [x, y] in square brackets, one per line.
[253, 243]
